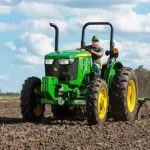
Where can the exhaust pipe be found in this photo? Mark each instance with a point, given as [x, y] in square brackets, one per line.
[56, 35]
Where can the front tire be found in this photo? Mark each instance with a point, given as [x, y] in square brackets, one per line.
[97, 101]
[31, 91]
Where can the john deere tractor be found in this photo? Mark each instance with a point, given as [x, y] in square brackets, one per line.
[71, 82]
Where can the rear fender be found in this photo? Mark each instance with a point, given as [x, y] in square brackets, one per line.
[110, 72]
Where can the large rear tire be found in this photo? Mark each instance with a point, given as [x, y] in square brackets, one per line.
[124, 95]
[97, 101]
[31, 91]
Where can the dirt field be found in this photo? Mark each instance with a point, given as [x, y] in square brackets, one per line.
[76, 135]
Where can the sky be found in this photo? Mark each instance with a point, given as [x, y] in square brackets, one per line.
[25, 34]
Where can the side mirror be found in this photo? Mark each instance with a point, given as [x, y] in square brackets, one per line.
[107, 52]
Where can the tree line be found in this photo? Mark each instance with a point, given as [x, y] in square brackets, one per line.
[143, 77]
[9, 93]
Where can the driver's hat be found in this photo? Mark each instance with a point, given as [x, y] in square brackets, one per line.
[95, 38]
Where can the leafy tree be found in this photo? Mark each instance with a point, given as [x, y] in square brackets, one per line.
[143, 77]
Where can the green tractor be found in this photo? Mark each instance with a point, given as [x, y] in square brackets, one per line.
[70, 82]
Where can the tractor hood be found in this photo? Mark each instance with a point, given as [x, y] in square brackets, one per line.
[67, 54]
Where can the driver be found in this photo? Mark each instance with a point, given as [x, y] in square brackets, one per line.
[96, 51]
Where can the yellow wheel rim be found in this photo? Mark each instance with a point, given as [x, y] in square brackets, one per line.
[102, 103]
[131, 96]
[38, 110]
[37, 90]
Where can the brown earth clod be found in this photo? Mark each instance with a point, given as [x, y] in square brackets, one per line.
[69, 134]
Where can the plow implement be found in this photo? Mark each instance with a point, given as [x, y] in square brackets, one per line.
[144, 107]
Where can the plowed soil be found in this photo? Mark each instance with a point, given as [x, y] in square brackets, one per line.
[76, 135]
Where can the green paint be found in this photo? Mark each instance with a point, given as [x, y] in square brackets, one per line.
[45, 100]
[65, 54]
[111, 72]
[67, 103]
[143, 99]
[48, 87]
[84, 68]
[52, 91]
[73, 92]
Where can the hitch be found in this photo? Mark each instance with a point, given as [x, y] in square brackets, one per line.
[143, 99]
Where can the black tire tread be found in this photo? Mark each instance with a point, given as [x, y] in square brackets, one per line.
[28, 99]
[91, 102]
[118, 105]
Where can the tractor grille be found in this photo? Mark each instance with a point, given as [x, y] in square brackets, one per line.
[63, 72]
[44, 84]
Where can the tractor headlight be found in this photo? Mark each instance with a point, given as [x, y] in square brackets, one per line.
[65, 61]
[49, 61]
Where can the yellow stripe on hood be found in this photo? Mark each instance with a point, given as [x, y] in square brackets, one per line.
[84, 55]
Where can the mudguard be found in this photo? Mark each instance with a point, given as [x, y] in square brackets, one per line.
[110, 72]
